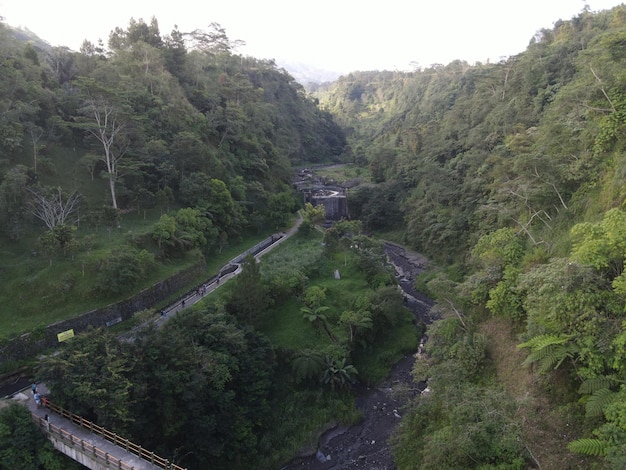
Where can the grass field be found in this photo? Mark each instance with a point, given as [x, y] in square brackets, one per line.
[344, 172]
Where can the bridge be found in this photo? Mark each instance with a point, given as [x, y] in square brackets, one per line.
[89, 444]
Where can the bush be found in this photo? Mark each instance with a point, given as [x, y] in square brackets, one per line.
[123, 270]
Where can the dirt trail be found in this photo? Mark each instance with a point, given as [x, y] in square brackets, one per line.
[365, 445]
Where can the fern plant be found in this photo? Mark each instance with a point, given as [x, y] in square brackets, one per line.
[587, 446]
[598, 401]
[549, 351]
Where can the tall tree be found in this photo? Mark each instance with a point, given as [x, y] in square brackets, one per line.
[108, 129]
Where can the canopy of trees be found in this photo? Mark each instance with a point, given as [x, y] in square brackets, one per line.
[510, 175]
[177, 118]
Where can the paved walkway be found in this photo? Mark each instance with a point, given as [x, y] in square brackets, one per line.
[196, 296]
[130, 459]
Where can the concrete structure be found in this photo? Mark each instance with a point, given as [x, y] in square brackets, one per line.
[83, 441]
[335, 201]
[322, 191]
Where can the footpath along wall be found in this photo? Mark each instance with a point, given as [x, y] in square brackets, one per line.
[30, 344]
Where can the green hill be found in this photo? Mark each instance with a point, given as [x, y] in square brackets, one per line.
[511, 176]
[120, 166]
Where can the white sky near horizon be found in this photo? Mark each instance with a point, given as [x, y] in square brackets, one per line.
[335, 35]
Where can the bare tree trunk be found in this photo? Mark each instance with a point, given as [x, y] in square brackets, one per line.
[107, 132]
[35, 134]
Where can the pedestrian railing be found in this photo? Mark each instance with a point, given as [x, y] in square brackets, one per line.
[81, 445]
[119, 441]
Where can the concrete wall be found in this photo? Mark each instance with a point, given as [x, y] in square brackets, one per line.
[336, 207]
[29, 344]
[77, 455]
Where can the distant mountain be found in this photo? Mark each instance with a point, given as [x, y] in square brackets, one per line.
[306, 74]
[26, 35]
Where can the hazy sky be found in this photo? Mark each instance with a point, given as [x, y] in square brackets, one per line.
[337, 35]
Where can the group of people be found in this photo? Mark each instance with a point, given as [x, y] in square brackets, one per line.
[39, 400]
[200, 291]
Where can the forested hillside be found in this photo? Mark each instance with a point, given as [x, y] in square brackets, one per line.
[511, 177]
[121, 166]
[117, 162]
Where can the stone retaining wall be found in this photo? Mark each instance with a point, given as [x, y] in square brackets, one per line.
[29, 344]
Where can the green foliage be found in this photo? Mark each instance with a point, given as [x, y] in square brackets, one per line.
[280, 208]
[307, 364]
[123, 270]
[504, 298]
[501, 248]
[314, 214]
[91, 378]
[588, 446]
[599, 400]
[460, 427]
[338, 374]
[24, 446]
[19, 437]
[548, 351]
[602, 245]
[314, 296]
[250, 298]
[205, 373]
[471, 353]
[357, 322]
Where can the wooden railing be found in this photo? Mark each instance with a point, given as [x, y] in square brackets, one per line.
[84, 446]
[106, 434]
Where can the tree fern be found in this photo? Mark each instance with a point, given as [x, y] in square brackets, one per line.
[590, 386]
[598, 402]
[548, 351]
[541, 341]
[588, 446]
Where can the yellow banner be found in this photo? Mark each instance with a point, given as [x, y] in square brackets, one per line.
[65, 335]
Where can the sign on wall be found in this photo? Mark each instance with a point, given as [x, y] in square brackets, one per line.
[65, 335]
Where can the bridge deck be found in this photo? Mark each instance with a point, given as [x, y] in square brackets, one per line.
[130, 460]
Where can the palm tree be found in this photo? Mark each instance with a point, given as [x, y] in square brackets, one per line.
[318, 319]
[307, 364]
[338, 374]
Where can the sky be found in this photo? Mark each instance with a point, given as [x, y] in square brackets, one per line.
[334, 35]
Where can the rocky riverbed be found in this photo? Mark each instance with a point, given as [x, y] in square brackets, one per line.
[365, 445]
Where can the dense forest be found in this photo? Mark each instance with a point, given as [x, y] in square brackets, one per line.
[125, 164]
[508, 176]
[178, 126]
[511, 177]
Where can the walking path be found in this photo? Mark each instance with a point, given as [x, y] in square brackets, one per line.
[226, 273]
[78, 441]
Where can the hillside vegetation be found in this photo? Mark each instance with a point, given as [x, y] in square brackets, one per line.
[121, 165]
[511, 177]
